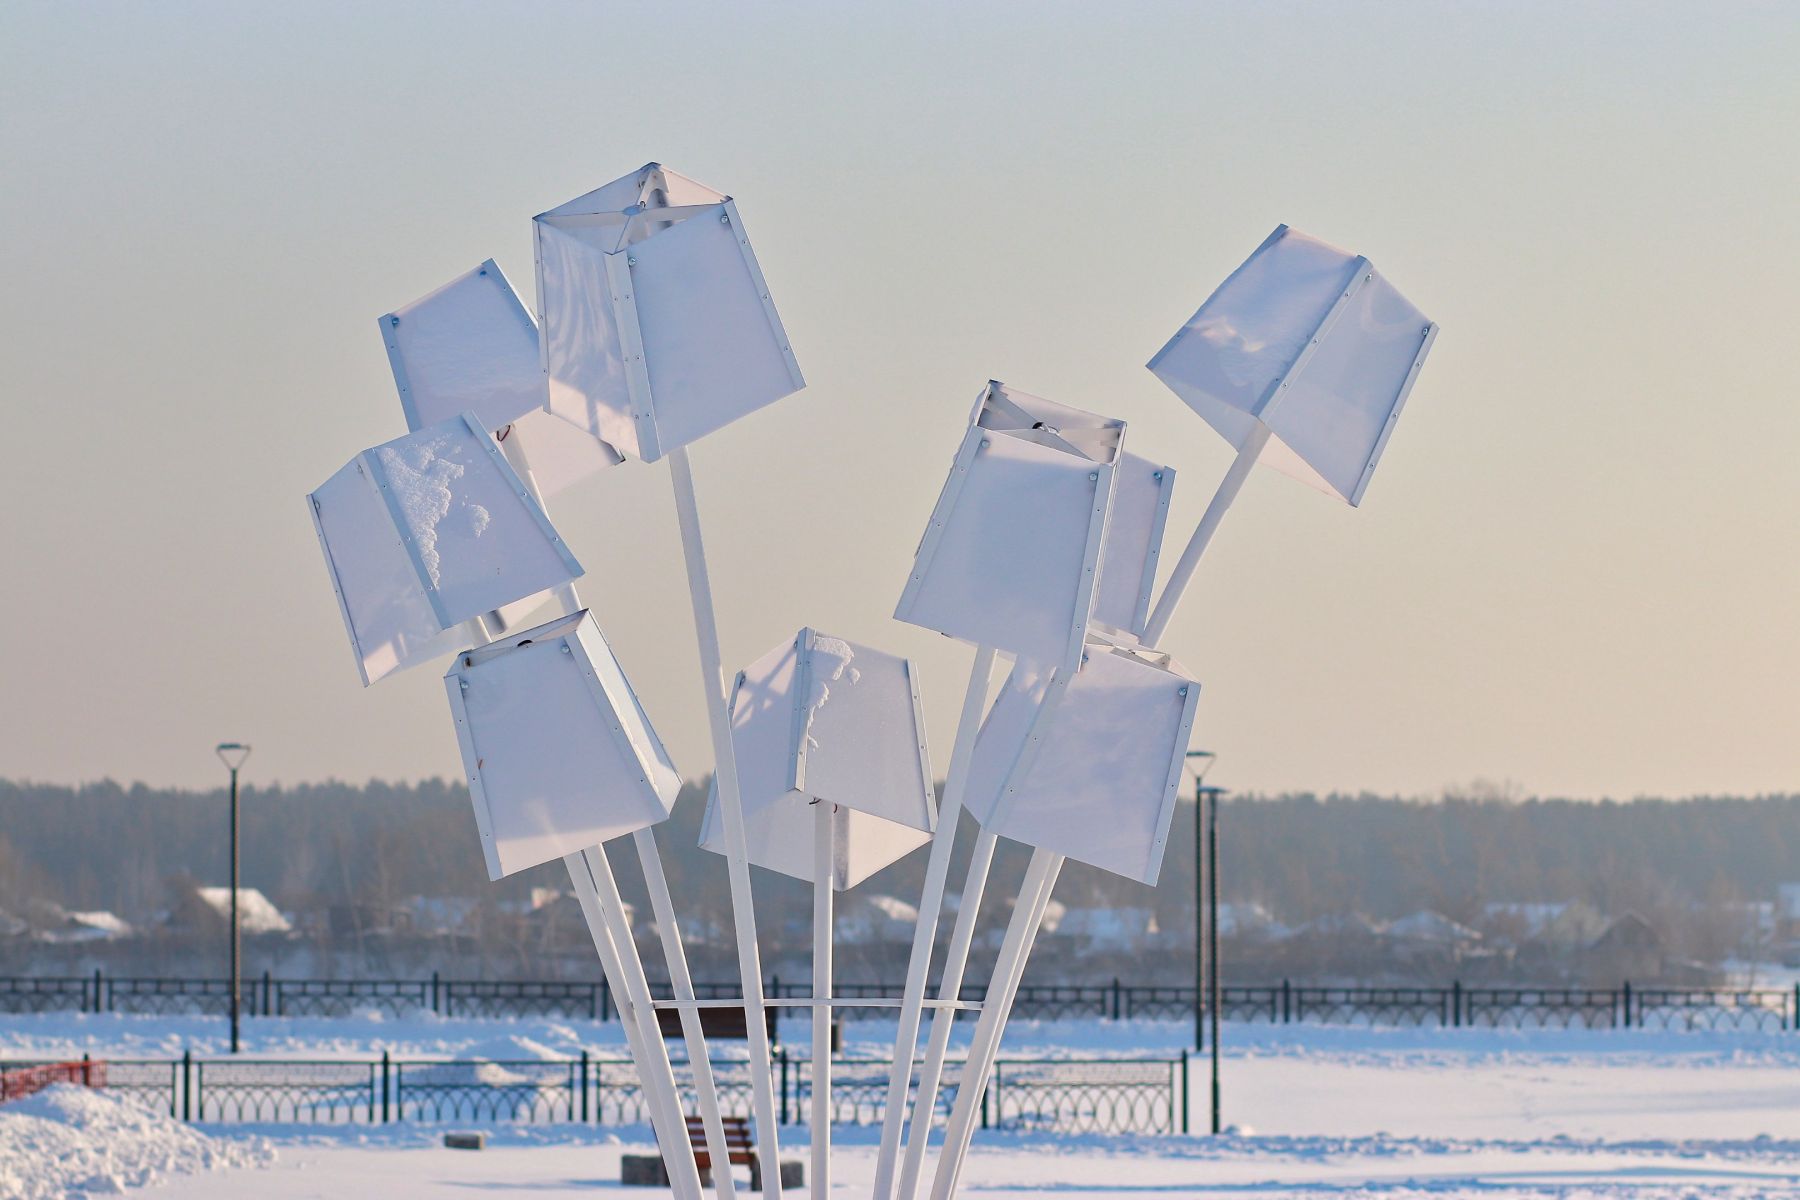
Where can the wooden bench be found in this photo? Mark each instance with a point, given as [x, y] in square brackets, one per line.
[648, 1170]
[726, 1024]
[741, 1151]
[738, 1146]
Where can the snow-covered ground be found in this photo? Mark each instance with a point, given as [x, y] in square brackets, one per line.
[1334, 1112]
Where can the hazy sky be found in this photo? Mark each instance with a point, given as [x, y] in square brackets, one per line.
[1576, 568]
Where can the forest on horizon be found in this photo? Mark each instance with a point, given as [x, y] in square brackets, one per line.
[1692, 868]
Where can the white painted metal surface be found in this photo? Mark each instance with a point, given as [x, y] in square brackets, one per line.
[425, 532]
[1312, 342]
[821, 719]
[472, 346]
[1011, 556]
[658, 327]
[1132, 545]
[1093, 776]
[558, 752]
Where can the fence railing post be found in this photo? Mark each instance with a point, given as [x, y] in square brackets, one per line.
[187, 1085]
[434, 991]
[1184, 1089]
[1287, 1004]
[1456, 1004]
[584, 1087]
[781, 1056]
[606, 1007]
[1116, 998]
[96, 1008]
[1794, 1024]
[385, 1068]
[1626, 993]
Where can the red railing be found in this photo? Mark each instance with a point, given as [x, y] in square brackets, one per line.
[19, 1082]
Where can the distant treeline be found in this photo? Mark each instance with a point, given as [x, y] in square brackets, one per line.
[104, 846]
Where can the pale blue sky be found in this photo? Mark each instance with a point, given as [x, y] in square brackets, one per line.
[1575, 569]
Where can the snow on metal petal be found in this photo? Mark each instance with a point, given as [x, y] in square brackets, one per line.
[426, 531]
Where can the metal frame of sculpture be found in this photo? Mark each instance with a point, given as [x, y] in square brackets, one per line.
[655, 327]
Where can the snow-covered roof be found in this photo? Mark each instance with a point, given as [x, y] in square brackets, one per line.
[894, 908]
[1238, 917]
[1787, 897]
[1536, 916]
[1117, 926]
[876, 918]
[102, 922]
[1560, 922]
[56, 924]
[1339, 924]
[255, 912]
[1428, 926]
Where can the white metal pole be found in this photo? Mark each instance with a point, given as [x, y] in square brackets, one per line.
[731, 817]
[612, 908]
[943, 1021]
[1021, 932]
[823, 855]
[636, 1016]
[682, 984]
[1183, 573]
[931, 904]
[956, 961]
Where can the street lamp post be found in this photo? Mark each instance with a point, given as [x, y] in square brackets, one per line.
[1210, 798]
[233, 754]
[1198, 763]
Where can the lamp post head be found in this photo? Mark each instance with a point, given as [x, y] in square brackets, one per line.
[1198, 763]
[232, 754]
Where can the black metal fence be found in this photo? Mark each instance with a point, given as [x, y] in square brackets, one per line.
[1626, 1006]
[1137, 1095]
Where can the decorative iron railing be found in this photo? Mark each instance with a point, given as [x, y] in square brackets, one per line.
[1552, 1007]
[1138, 1095]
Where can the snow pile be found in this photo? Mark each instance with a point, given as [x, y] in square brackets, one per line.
[67, 1142]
